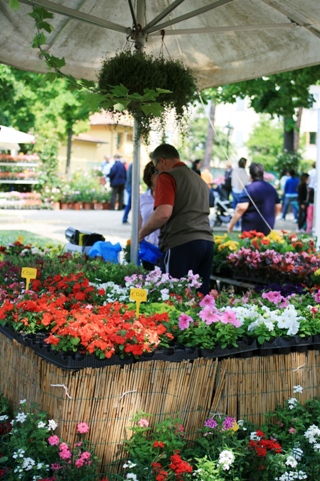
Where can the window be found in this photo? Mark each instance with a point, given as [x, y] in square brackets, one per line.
[119, 140]
[312, 138]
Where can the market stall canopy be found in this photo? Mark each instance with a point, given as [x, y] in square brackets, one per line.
[9, 135]
[222, 41]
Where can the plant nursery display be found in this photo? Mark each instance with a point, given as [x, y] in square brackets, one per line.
[285, 447]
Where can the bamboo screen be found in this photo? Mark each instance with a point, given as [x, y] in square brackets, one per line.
[107, 398]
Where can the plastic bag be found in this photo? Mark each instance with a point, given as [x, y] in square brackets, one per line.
[149, 252]
[109, 252]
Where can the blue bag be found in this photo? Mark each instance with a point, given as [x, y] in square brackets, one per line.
[149, 252]
[109, 252]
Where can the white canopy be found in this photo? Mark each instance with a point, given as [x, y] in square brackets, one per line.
[10, 138]
[223, 41]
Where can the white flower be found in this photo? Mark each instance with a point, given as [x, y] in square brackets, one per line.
[291, 461]
[41, 424]
[297, 453]
[52, 425]
[226, 458]
[311, 434]
[21, 417]
[28, 464]
[254, 436]
[4, 417]
[297, 388]
[23, 401]
[132, 476]
[292, 402]
[241, 425]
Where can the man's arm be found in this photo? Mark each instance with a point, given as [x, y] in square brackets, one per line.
[240, 210]
[159, 217]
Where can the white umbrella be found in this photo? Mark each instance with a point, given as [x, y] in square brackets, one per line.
[10, 136]
[9, 146]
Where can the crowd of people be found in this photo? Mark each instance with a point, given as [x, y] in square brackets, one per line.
[175, 208]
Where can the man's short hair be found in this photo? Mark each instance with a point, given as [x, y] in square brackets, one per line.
[165, 151]
[256, 171]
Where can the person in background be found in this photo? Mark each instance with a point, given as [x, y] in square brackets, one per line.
[282, 182]
[239, 179]
[303, 197]
[258, 205]
[196, 166]
[310, 211]
[291, 195]
[182, 213]
[224, 189]
[118, 177]
[128, 187]
[150, 177]
[106, 167]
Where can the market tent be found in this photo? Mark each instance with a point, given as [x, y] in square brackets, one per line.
[222, 41]
[10, 138]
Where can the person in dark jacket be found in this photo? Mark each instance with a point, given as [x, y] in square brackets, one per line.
[303, 201]
[118, 177]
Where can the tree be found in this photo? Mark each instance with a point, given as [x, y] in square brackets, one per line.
[265, 143]
[48, 109]
[194, 145]
[280, 94]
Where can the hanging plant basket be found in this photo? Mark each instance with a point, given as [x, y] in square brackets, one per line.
[140, 73]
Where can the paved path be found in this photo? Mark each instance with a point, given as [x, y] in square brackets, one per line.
[53, 223]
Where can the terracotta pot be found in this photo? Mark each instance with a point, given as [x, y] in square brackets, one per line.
[87, 205]
[77, 206]
[97, 206]
[64, 206]
[56, 206]
[106, 205]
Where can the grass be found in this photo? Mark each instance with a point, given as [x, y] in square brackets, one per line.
[25, 237]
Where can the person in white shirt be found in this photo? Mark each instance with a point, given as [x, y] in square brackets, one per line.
[239, 179]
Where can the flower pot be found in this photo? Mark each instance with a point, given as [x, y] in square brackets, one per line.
[56, 206]
[65, 206]
[97, 206]
[87, 206]
[106, 205]
[77, 206]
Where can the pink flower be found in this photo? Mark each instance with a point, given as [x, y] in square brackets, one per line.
[143, 423]
[82, 428]
[78, 445]
[63, 446]
[79, 463]
[53, 440]
[230, 317]
[56, 467]
[291, 430]
[209, 316]
[85, 455]
[184, 321]
[317, 296]
[208, 301]
[65, 454]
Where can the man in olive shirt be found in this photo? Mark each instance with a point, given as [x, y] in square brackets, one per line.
[182, 212]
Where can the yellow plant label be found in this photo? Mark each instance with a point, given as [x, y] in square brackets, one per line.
[28, 273]
[138, 295]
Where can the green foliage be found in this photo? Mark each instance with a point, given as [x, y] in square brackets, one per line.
[288, 160]
[193, 145]
[265, 143]
[142, 74]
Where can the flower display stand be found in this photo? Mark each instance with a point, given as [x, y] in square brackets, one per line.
[108, 397]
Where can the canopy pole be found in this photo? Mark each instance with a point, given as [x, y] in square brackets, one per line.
[135, 193]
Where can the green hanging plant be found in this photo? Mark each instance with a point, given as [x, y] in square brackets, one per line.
[141, 74]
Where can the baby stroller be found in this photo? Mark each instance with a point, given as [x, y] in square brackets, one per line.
[223, 211]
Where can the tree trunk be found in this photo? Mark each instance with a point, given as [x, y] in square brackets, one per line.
[288, 136]
[69, 150]
[210, 137]
[297, 132]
